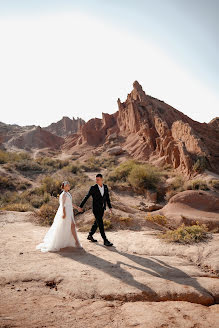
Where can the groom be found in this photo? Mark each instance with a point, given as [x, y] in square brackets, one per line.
[100, 195]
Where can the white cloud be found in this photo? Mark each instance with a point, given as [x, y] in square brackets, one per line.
[75, 65]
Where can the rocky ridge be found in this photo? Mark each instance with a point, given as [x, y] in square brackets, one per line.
[149, 129]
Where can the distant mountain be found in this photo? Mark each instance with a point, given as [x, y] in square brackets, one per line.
[35, 138]
[28, 137]
[65, 126]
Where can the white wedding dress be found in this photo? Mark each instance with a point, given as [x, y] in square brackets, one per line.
[60, 234]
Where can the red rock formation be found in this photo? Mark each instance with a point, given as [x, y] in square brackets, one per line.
[154, 131]
[65, 126]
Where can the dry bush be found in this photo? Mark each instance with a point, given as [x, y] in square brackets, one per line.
[177, 185]
[79, 193]
[157, 219]
[96, 163]
[214, 183]
[107, 224]
[51, 186]
[74, 168]
[7, 183]
[144, 177]
[19, 207]
[136, 176]
[48, 211]
[91, 164]
[187, 234]
[12, 157]
[49, 164]
[200, 165]
[197, 185]
[121, 172]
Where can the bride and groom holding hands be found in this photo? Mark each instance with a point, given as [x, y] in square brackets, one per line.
[63, 232]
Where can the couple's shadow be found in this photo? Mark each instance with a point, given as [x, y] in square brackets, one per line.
[151, 266]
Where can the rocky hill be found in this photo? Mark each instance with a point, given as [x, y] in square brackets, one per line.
[149, 129]
[65, 126]
[34, 137]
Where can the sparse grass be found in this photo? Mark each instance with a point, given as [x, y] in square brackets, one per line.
[74, 168]
[157, 219]
[96, 163]
[7, 183]
[48, 211]
[187, 234]
[214, 183]
[9, 157]
[200, 165]
[19, 207]
[197, 185]
[177, 185]
[91, 164]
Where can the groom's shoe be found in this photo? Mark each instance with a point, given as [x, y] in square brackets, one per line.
[91, 239]
[107, 243]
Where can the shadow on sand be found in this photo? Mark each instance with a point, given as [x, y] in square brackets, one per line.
[151, 266]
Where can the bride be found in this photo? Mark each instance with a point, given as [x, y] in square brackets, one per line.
[63, 231]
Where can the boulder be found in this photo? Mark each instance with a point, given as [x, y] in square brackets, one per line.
[117, 150]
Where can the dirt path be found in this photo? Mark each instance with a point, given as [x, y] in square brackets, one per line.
[141, 282]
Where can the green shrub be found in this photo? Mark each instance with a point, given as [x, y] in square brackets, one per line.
[121, 172]
[187, 234]
[144, 177]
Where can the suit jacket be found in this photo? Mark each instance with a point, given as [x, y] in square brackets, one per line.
[99, 201]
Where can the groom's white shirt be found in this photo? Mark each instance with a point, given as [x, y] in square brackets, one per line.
[101, 189]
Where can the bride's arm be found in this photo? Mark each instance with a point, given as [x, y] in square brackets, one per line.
[63, 205]
[77, 208]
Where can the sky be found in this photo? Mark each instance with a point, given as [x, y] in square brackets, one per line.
[76, 58]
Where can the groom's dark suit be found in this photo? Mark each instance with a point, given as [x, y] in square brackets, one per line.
[99, 205]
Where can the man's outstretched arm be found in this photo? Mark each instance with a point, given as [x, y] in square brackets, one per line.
[86, 197]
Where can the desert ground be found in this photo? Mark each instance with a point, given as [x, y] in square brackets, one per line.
[140, 282]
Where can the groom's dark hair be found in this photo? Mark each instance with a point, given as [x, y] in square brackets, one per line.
[99, 175]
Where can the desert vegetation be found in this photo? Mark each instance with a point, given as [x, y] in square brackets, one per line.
[139, 177]
[187, 234]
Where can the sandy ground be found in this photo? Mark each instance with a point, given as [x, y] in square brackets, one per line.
[141, 282]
